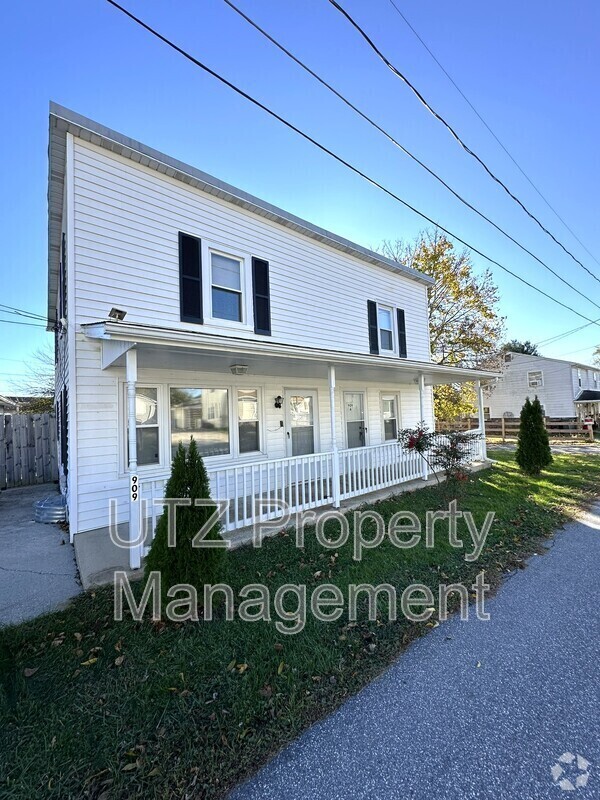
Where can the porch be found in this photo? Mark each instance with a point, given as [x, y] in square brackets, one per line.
[324, 423]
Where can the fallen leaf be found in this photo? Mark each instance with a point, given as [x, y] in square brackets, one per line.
[89, 662]
[280, 667]
[231, 665]
[154, 772]
[478, 664]
[129, 767]
[277, 646]
[78, 636]
[29, 671]
[241, 668]
[119, 660]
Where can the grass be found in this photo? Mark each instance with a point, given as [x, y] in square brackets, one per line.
[91, 708]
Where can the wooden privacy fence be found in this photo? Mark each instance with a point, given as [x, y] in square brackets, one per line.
[508, 427]
[27, 449]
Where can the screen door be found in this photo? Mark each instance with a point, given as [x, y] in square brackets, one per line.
[354, 412]
[301, 409]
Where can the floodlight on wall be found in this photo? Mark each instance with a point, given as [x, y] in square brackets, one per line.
[117, 314]
[278, 401]
[239, 369]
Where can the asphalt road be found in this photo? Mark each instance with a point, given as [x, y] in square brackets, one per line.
[474, 709]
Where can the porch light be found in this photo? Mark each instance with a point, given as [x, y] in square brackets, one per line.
[239, 369]
[117, 314]
[278, 401]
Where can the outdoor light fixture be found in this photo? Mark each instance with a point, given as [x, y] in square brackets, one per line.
[278, 401]
[239, 369]
[117, 314]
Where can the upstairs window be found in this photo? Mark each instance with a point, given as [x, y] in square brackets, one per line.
[386, 329]
[579, 378]
[226, 287]
[535, 378]
[595, 379]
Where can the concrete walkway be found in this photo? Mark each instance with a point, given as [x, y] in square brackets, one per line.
[37, 567]
[507, 709]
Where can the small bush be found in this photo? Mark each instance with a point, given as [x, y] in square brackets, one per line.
[184, 563]
[533, 448]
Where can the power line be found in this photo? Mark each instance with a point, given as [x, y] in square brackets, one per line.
[20, 312]
[447, 125]
[339, 159]
[483, 121]
[18, 322]
[390, 138]
[558, 337]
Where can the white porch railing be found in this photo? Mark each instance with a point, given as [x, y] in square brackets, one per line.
[257, 491]
[367, 469]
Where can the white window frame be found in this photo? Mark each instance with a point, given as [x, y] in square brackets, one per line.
[529, 378]
[164, 424]
[245, 261]
[393, 315]
[579, 380]
[234, 433]
[161, 401]
[595, 379]
[390, 396]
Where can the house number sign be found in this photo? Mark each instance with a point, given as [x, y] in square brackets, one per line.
[135, 488]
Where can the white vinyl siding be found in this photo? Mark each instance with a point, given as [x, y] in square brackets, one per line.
[557, 394]
[101, 442]
[127, 219]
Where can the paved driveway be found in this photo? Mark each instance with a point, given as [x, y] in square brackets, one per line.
[474, 710]
[37, 567]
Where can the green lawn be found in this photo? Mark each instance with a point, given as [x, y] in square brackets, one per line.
[90, 708]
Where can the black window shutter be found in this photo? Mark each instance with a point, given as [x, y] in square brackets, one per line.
[373, 329]
[262, 297]
[64, 399]
[190, 278]
[401, 333]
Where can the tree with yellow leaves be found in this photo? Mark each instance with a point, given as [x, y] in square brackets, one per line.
[465, 324]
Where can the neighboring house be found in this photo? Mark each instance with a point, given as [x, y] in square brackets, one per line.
[7, 405]
[565, 389]
[184, 306]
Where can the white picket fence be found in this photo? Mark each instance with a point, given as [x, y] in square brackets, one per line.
[27, 449]
[257, 491]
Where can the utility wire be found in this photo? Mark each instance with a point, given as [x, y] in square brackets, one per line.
[483, 121]
[339, 159]
[560, 336]
[17, 322]
[390, 138]
[20, 312]
[447, 125]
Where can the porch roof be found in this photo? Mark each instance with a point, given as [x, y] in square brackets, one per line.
[588, 396]
[168, 348]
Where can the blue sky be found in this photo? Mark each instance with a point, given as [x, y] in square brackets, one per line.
[531, 69]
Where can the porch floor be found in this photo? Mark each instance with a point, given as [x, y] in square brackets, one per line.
[92, 548]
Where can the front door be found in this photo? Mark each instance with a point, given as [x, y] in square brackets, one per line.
[354, 414]
[301, 408]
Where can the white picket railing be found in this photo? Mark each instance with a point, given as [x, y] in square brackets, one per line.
[367, 469]
[257, 491]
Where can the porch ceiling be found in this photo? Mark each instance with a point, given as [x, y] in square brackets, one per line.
[183, 350]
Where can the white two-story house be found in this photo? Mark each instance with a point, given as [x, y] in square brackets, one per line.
[566, 389]
[186, 307]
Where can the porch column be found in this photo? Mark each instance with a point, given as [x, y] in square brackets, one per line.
[481, 416]
[135, 549]
[335, 469]
[425, 473]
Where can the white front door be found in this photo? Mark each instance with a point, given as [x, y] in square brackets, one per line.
[354, 415]
[301, 415]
